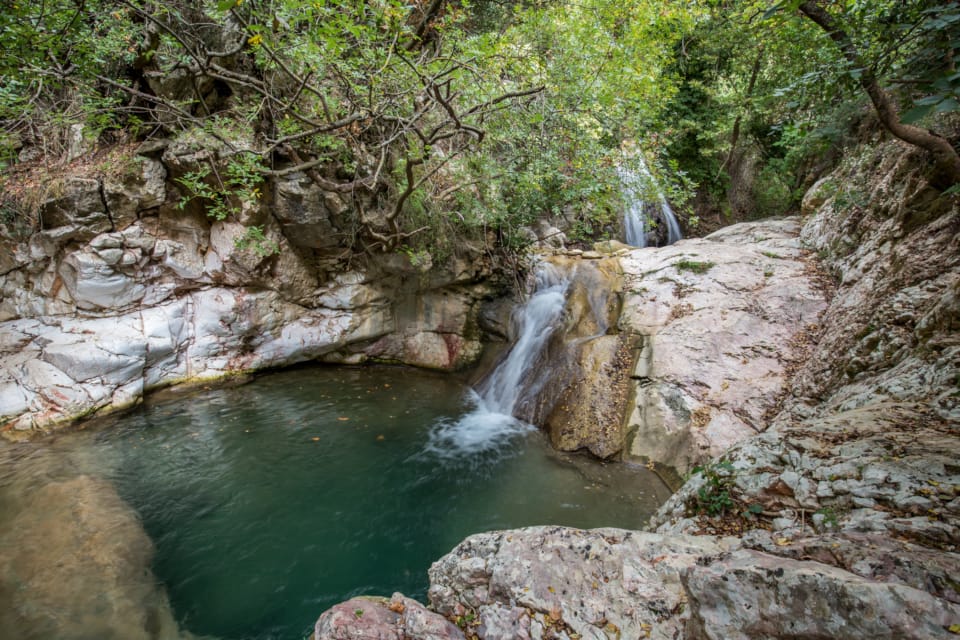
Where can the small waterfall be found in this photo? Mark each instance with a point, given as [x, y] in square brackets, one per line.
[635, 219]
[491, 422]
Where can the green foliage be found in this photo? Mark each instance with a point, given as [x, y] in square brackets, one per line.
[224, 192]
[714, 498]
[474, 121]
[694, 266]
[256, 240]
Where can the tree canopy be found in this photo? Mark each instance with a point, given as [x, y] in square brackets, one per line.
[441, 118]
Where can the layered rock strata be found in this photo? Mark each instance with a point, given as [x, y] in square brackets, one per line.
[128, 286]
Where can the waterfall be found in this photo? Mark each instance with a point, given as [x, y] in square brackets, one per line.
[490, 423]
[635, 219]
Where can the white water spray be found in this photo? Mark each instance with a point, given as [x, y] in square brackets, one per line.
[635, 218]
[491, 423]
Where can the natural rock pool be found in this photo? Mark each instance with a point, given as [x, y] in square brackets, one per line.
[269, 502]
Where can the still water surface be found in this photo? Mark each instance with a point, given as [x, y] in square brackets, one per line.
[270, 502]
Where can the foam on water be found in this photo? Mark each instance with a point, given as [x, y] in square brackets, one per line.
[490, 425]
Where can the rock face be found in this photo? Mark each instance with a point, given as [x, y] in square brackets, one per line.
[719, 323]
[868, 440]
[749, 594]
[581, 398]
[859, 468]
[544, 582]
[127, 287]
[75, 564]
[843, 488]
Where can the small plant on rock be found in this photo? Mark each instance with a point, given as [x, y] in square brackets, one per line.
[694, 266]
[714, 498]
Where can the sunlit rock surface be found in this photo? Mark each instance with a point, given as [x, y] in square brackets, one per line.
[720, 322]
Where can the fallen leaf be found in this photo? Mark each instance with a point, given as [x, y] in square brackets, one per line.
[343, 418]
[381, 437]
[315, 439]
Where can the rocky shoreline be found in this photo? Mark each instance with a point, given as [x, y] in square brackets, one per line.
[821, 428]
[841, 519]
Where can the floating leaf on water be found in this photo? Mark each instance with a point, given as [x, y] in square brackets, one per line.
[343, 418]
[315, 439]
[381, 437]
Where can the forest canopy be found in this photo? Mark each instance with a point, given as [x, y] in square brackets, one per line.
[441, 119]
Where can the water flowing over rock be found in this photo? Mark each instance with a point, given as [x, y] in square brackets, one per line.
[647, 220]
[832, 421]
[580, 395]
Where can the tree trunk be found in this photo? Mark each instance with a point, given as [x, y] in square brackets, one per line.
[945, 157]
[735, 136]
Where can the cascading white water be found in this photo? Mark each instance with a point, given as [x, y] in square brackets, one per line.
[635, 218]
[673, 226]
[490, 424]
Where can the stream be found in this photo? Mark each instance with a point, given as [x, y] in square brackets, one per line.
[269, 502]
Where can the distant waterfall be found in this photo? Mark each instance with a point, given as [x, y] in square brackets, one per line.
[491, 423]
[635, 218]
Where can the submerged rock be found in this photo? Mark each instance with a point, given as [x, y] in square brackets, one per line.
[75, 564]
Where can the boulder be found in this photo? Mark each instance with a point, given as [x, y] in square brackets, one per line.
[75, 563]
[720, 323]
[77, 203]
[750, 595]
[396, 618]
[307, 213]
[595, 584]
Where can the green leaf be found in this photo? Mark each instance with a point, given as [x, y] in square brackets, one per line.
[950, 104]
[929, 100]
[916, 113]
[226, 5]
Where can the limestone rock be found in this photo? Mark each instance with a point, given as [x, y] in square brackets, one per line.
[579, 388]
[77, 203]
[591, 583]
[142, 187]
[719, 321]
[754, 595]
[94, 283]
[307, 213]
[397, 618]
